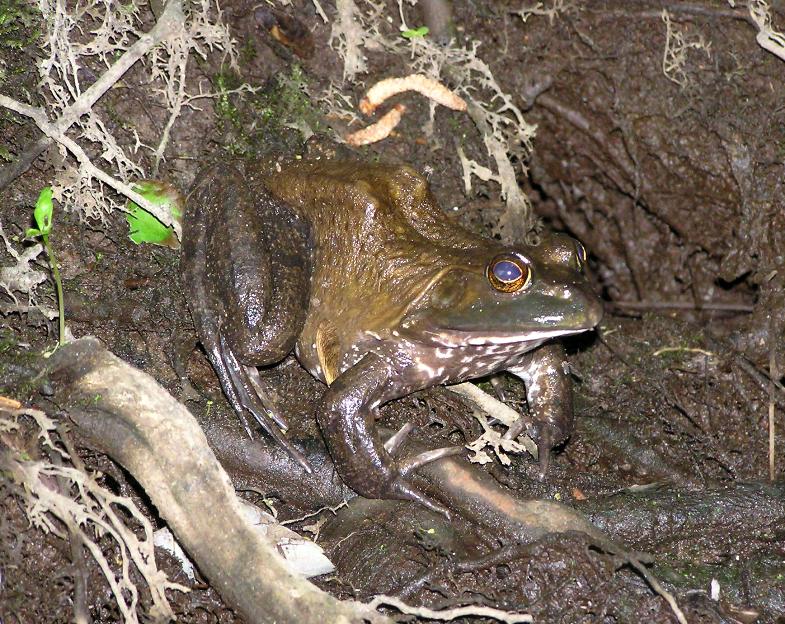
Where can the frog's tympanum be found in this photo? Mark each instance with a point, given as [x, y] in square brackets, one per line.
[380, 294]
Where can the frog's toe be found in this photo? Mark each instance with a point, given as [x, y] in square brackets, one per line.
[246, 394]
[406, 466]
[544, 444]
[259, 393]
[516, 428]
[394, 442]
[407, 490]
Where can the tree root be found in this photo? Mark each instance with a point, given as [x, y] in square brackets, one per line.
[158, 441]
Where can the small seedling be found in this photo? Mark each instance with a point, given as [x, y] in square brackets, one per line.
[43, 219]
[144, 227]
[415, 33]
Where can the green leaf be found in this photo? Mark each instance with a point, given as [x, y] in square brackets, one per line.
[143, 226]
[33, 232]
[43, 211]
[415, 33]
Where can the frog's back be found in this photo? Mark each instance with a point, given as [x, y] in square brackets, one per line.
[367, 205]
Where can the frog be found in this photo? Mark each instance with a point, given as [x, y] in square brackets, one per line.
[379, 293]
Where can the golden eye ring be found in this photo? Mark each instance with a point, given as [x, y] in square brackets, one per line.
[508, 273]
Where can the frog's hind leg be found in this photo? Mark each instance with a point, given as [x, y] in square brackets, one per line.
[246, 263]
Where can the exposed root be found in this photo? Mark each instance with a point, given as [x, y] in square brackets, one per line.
[446, 615]
[379, 130]
[420, 83]
[83, 511]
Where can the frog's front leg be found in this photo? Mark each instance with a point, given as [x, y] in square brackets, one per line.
[347, 419]
[545, 372]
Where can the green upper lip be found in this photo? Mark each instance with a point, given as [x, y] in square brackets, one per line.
[504, 322]
[455, 338]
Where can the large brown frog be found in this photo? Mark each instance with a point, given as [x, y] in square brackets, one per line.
[380, 294]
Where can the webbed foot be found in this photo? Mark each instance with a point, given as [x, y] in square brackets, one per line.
[243, 389]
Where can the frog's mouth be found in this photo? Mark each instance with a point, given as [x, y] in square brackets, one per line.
[505, 322]
[453, 338]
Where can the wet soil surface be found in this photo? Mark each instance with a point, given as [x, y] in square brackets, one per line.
[676, 189]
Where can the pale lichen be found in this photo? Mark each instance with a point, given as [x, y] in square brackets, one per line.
[64, 500]
[677, 44]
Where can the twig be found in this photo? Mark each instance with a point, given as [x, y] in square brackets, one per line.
[177, 106]
[673, 7]
[494, 408]
[320, 11]
[683, 350]
[168, 24]
[450, 614]
[684, 305]
[51, 130]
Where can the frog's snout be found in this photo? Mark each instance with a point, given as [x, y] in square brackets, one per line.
[595, 310]
[587, 306]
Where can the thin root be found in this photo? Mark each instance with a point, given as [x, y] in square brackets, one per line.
[428, 87]
[379, 130]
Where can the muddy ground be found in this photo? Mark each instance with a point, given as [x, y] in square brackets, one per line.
[676, 189]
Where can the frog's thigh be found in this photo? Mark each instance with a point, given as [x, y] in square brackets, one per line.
[548, 389]
[263, 260]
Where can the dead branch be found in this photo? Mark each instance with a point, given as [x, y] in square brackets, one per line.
[169, 24]
[51, 130]
[158, 441]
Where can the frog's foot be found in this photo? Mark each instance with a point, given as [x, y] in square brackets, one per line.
[405, 487]
[243, 389]
[394, 442]
[407, 490]
[368, 466]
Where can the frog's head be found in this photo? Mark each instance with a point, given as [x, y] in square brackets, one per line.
[507, 295]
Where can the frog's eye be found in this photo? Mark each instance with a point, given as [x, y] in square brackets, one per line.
[581, 254]
[508, 274]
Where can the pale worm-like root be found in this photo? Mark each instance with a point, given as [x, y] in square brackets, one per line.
[379, 130]
[428, 87]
